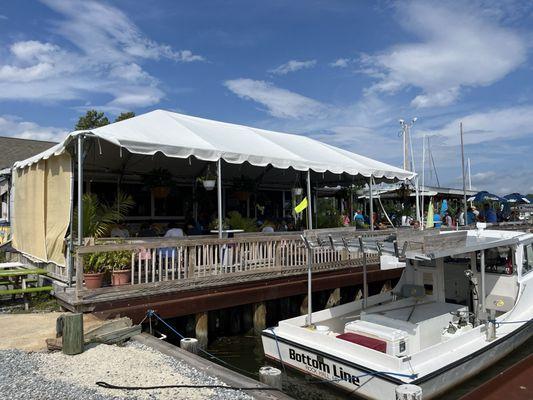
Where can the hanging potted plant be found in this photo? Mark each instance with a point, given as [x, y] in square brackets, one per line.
[243, 187]
[94, 268]
[297, 191]
[120, 267]
[208, 180]
[159, 180]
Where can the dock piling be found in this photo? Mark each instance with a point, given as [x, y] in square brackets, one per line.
[189, 344]
[270, 376]
[201, 329]
[72, 330]
[408, 392]
[259, 317]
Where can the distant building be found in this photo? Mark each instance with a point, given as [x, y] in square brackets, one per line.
[12, 150]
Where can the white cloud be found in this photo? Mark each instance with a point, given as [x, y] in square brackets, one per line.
[107, 58]
[3, 16]
[16, 127]
[455, 50]
[482, 127]
[340, 63]
[292, 66]
[279, 102]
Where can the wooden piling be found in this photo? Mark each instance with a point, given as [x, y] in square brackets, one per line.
[259, 317]
[201, 329]
[72, 328]
[334, 298]
[270, 376]
[189, 344]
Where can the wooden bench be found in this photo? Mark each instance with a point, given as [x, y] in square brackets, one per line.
[7, 292]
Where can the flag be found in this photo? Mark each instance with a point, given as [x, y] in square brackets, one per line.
[302, 206]
[429, 222]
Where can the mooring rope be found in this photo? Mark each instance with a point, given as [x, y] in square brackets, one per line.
[212, 356]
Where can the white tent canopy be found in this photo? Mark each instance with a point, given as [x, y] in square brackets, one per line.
[181, 136]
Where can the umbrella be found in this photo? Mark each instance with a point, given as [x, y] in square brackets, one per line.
[516, 198]
[486, 196]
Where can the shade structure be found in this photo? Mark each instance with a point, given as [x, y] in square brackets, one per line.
[181, 136]
[516, 198]
[486, 196]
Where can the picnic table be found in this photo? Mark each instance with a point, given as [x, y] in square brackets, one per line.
[16, 279]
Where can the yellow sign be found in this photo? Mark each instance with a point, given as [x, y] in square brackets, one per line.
[302, 206]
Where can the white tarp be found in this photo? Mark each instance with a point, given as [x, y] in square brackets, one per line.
[178, 135]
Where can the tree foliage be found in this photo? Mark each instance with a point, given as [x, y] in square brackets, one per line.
[125, 115]
[92, 119]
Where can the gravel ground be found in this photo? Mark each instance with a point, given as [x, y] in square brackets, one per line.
[53, 376]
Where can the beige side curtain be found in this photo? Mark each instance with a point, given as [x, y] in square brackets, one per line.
[42, 208]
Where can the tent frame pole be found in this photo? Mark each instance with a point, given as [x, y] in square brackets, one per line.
[70, 260]
[219, 197]
[309, 202]
[79, 263]
[371, 200]
[80, 190]
[483, 295]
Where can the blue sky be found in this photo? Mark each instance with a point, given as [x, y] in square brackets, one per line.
[343, 72]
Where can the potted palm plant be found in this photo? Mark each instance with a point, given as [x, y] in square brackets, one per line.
[120, 266]
[208, 180]
[94, 268]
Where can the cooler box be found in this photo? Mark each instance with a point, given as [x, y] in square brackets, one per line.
[395, 339]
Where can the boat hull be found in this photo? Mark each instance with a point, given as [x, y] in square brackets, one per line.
[367, 383]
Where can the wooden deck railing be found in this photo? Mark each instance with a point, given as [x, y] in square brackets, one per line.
[164, 259]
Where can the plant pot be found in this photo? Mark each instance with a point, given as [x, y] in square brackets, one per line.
[241, 196]
[93, 280]
[121, 277]
[161, 192]
[297, 191]
[209, 184]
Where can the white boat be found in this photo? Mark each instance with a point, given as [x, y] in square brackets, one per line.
[463, 302]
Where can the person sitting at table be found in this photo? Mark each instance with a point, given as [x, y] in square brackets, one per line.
[174, 231]
[147, 230]
[437, 220]
[120, 231]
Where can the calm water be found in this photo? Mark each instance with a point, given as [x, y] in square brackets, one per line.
[246, 352]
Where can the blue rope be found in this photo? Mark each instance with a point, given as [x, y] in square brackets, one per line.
[212, 356]
[498, 323]
[279, 351]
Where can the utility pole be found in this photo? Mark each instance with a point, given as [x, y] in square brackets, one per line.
[463, 171]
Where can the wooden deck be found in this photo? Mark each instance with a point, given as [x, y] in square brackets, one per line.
[176, 298]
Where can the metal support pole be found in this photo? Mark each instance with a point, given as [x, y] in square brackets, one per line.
[482, 268]
[219, 197]
[417, 194]
[80, 190]
[70, 260]
[309, 285]
[365, 283]
[309, 202]
[371, 200]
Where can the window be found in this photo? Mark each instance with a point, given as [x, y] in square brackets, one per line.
[498, 260]
[527, 266]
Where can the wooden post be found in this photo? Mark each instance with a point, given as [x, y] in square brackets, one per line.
[408, 392]
[189, 344]
[334, 298]
[270, 376]
[201, 329]
[72, 333]
[259, 318]
[192, 262]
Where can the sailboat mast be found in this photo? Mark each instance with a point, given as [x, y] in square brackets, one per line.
[463, 171]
